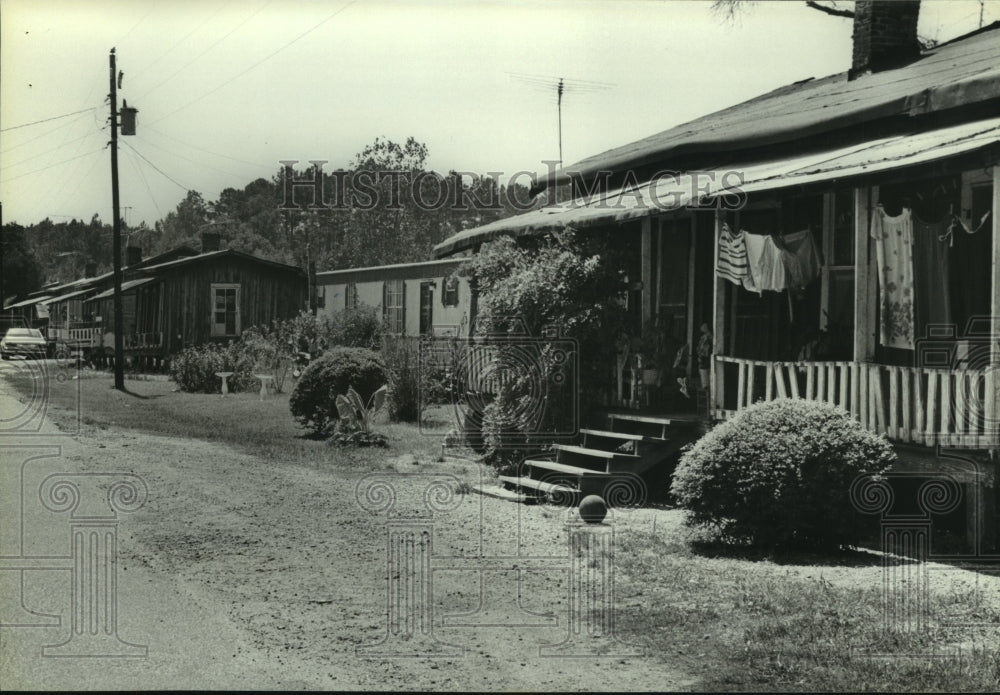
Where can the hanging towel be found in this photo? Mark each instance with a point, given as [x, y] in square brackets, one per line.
[766, 263]
[931, 284]
[894, 248]
[803, 266]
[732, 263]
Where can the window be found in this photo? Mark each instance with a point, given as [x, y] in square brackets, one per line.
[450, 295]
[394, 306]
[225, 309]
[351, 296]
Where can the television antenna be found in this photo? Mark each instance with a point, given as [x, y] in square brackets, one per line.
[560, 86]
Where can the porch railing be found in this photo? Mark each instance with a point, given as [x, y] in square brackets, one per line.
[143, 341]
[77, 334]
[908, 404]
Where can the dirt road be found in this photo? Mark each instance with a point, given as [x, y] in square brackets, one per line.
[246, 573]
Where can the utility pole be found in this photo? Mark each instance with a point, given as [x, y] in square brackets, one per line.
[559, 92]
[117, 226]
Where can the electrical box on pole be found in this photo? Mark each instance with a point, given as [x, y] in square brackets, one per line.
[128, 118]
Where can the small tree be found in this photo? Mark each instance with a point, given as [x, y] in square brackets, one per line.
[557, 289]
[779, 474]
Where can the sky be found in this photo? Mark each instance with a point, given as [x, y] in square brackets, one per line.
[228, 89]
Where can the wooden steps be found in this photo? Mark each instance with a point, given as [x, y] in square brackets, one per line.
[576, 471]
[598, 464]
[539, 485]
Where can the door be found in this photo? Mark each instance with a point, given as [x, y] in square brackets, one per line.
[426, 308]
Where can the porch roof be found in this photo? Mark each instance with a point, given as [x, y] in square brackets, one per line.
[698, 188]
[962, 72]
[68, 295]
[28, 302]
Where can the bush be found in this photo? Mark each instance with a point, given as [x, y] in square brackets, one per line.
[313, 401]
[194, 369]
[402, 359]
[779, 475]
[360, 327]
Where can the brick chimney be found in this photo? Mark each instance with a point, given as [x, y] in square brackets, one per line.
[210, 242]
[885, 35]
[133, 256]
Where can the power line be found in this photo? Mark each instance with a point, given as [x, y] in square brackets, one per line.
[158, 169]
[145, 183]
[42, 154]
[202, 149]
[213, 45]
[40, 135]
[259, 62]
[35, 171]
[188, 159]
[45, 120]
[146, 68]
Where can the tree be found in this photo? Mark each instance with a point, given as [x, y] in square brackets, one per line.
[21, 272]
[731, 8]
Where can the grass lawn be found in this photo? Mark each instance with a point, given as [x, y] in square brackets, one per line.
[801, 623]
[261, 428]
[736, 622]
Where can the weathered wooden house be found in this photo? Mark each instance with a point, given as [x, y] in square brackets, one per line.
[837, 237]
[170, 301]
[413, 299]
[211, 296]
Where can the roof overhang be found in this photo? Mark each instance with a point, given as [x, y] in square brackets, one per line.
[727, 186]
[28, 302]
[126, 286]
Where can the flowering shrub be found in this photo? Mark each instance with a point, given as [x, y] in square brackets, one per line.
[779, 475]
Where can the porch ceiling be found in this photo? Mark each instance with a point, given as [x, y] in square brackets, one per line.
[678, 191]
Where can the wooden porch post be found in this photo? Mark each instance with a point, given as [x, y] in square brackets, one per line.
[716, 374]
[992, 421]
[865, 287]
[647, 271]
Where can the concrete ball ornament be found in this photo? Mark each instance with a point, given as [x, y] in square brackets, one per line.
[593, 509]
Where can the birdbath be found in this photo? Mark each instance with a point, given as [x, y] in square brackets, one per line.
[264, 380]
[225, 381]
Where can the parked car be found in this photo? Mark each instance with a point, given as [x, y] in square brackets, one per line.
[28, 342]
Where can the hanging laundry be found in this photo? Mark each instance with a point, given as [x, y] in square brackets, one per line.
[931, 285]
[732, 263]
[804, 264]
[894, 248]
[766, 263]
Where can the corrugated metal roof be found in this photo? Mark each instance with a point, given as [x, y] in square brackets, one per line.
[215, 254]
[959, 73]
[68, 295]
[422, 269]
[28, 302]
[676, 192]
[126, 286]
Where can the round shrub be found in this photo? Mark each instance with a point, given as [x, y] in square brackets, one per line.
[779, 474]
[313, 401]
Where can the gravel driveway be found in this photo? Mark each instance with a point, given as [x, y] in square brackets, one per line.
[247, 573]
